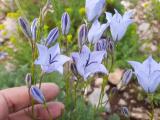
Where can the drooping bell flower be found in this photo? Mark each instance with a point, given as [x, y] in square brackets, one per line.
[52, 36]
[51, 59]
[37, 94]
[88, 63]
[94, 8]
[147, 73]
[82, 35]
[96, 31]
[65, 23]
[119, 23]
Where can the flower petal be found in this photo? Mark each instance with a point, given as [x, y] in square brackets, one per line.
[54, 50]
[43, 53]
[95, 68]
[94, 8]
[97, 56]
[61, 59]
[108, 16]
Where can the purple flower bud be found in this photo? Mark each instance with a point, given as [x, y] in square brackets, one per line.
[74, 69]
[110, 45]
[52, 36]
[101, 45]
[125, 112]
[28, 80]
[37, 94]
[24, 24]
[82, 35]
[127, 76]
[34, 28]
[65, 23]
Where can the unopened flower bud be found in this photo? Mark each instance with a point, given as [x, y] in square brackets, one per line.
[52, 36]
[37, 94]
[125, 112]
[25, 26]
[28, 80]
[127, 76]
[65, 23]
[34, 28]
[82, 35]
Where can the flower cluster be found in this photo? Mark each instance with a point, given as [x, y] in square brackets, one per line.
[94, 49]
[85, 62]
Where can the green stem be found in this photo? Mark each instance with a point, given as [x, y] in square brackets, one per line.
[75, 92]
[33, 66]
[152, 107]
[102, 91]
[105, 82]
[41, 78]
[46, 107]
[67, 87]
[19, 7]
[112, 61]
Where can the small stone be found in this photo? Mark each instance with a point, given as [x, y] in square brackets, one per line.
[155, 29]
[93, 98]
[144, 27]
[98, 82]
[122, 102]
[116, 76]
[126, 95]
[133, 101]
[139, 113]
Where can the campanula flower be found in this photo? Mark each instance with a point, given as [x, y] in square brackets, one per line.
[88, 63]
[96, 31]
[94, 8]
[119, 24]
[51, 59]
[34, 28]
[25, 26]
[147, 73]
[127, 76]
[65, 23]
[82, 35]
[37, 94]
[52, 36]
